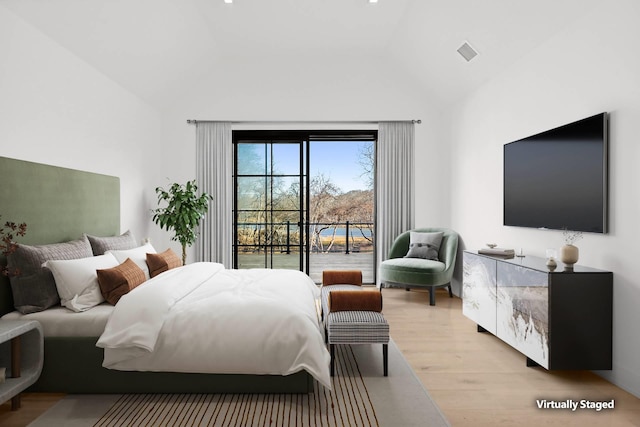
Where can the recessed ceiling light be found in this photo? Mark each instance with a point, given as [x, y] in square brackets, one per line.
[373, 1]
[228, 1]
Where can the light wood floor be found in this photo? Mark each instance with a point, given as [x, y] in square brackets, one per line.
[475, 379]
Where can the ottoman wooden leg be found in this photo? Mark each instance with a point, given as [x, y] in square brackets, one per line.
[332, 347]
[385, 359]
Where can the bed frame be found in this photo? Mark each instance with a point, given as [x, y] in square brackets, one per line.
[58, 205]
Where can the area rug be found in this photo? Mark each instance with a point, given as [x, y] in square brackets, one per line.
[361, 396]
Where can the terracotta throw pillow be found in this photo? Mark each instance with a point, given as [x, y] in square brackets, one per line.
[341, 277]
[355, 301]
[118, 281]
[159, 263]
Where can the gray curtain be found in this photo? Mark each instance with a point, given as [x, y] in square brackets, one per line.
[214, 174]
[394, 184]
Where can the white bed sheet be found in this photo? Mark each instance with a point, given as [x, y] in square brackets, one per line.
[205, 318]
[62, 322]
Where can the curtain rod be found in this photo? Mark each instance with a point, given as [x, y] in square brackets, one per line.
[193, 121]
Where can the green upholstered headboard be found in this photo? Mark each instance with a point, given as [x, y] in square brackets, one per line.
[58, 204]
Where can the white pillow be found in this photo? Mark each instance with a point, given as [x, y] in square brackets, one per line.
[77, 280]
[137, 255]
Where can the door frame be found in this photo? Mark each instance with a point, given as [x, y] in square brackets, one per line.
[305, 137]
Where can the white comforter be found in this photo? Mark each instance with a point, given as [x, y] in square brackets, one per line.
[205, 318]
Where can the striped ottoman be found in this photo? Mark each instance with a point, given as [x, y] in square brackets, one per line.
[358, 327]
[352, 326]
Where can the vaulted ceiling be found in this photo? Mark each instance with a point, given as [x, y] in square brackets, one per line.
[153, 47]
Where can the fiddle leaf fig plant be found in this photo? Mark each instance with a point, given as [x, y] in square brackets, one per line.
[184, 210]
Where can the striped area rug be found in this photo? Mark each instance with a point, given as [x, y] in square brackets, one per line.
[348, 404]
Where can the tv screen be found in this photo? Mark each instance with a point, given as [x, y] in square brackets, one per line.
[558, 179]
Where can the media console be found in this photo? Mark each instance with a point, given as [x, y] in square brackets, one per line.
[559, 319]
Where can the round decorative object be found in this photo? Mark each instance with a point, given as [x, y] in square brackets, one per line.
[551, 264]
[569, 255]
[491, 245]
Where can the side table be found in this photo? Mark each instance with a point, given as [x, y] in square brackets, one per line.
[22, 355]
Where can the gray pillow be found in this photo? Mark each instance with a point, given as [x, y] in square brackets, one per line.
[424, 245]
[34, 288]
[100, 245]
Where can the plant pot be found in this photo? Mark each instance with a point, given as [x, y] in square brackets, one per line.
[569, 255]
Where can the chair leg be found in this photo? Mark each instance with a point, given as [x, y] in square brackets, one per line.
[450, 293]
[385, 359]
[432, 295]
[332, 348]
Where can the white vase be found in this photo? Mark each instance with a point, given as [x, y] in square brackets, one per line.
[569, 255]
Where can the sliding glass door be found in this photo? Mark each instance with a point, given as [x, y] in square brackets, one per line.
[304, 200]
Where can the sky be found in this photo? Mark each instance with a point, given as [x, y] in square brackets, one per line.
[339, 161]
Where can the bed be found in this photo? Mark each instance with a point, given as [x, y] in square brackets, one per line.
[89, 203]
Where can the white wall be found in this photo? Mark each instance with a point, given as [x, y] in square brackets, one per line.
[311, 89]
[56, 109]
[589, 68]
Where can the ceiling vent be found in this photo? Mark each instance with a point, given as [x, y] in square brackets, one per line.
[467, 51]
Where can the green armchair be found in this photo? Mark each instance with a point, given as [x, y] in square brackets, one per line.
[418, 272]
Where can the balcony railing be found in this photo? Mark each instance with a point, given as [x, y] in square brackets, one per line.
[347, 237]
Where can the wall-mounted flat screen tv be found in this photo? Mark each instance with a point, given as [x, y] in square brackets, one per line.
[557, 179]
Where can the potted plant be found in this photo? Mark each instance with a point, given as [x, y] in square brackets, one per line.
[7, 245]
[183, 212]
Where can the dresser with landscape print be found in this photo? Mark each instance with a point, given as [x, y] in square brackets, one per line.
[560, 319]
